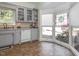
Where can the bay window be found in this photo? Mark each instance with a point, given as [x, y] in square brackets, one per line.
[46, 26]
[62, 28]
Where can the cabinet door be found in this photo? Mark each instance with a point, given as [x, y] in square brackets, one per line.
[6, 39]
[34, 34]
[25, 35]
[21, 14]
[17, 37]
[29, 15]
[35, 14]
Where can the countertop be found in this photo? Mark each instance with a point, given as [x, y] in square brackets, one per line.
[16, 29]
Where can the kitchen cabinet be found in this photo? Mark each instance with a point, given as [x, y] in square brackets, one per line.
[35, 34]
[35, 14]
[32, 15]
[29, 15]
[17, 37]
[6, 38]
[29, 35]
[21, 14]
[24, 14]
[25, 35]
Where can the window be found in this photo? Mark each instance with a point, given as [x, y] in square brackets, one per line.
[75, 36]
[47, 31]
[61, 28]
[47, 20]
[7, 16]
[46, 25]
[62, 34]
[61, 20]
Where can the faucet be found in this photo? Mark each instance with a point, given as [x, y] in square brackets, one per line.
[5, 25]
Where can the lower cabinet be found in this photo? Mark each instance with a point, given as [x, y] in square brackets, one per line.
[34, 34]
[6, 39]
[29, 35]
[25, 35]
[17, 37]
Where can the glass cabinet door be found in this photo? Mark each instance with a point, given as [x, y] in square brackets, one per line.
[20, 14]
[29, 14]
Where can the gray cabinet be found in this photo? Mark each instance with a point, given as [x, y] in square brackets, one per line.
[29, 35]
[21, 14]
[35, 14]
[29, 15]
[34, 34]
[17, 37]
[6, 39]
[25, 35]
[24, 14]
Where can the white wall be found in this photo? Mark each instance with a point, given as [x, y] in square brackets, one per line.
[54, 7]
[74, 15]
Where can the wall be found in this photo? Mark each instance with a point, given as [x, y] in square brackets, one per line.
[58, 7]
[74, 15]
[48, 8]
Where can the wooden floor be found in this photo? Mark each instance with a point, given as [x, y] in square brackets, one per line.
[30, 49]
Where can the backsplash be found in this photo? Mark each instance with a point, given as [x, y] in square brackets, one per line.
[23, 25]
[19, 25]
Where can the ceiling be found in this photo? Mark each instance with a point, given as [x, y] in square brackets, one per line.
[42, 5]
[49, 5]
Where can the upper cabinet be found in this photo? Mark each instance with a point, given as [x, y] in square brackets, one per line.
[32, 15]
[20, 14]
[27, 14]
[35, 14]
